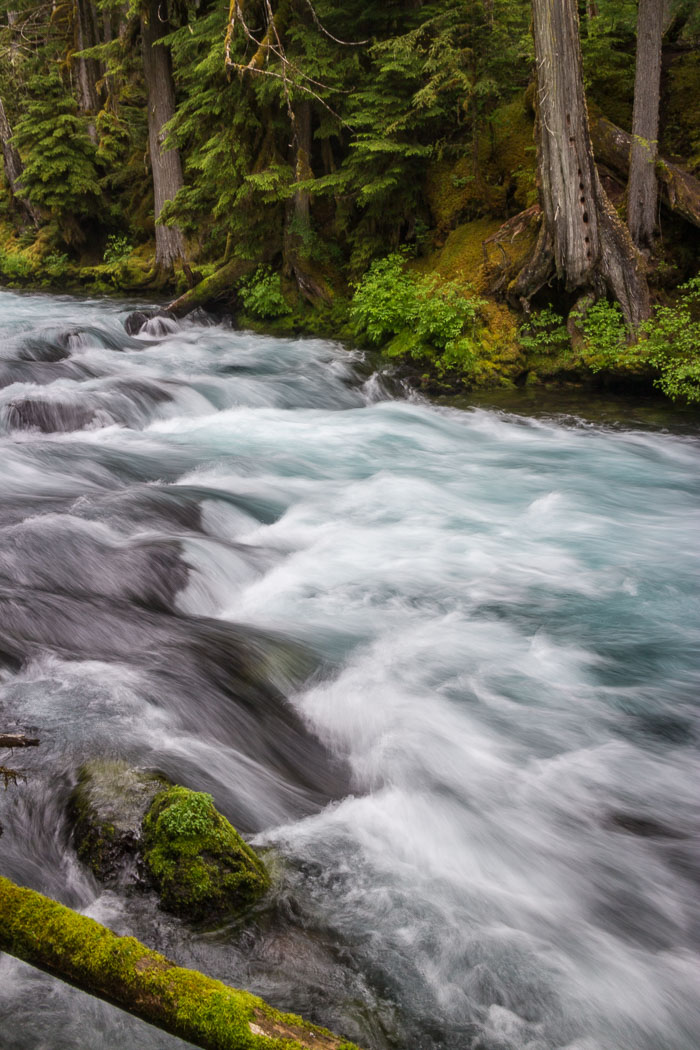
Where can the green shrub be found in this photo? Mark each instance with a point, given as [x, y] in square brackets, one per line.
[117, 248]
[442, 311]
[384, 300]
[544, 332]
[605, 335]
[14, 266]
[261, 294]
[671, 343]
[423, 316]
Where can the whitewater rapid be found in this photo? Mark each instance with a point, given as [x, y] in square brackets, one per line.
[443, 664]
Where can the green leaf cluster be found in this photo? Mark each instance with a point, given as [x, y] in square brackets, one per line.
[261, 294]
[424, 315]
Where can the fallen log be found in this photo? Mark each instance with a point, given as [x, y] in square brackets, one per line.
[11, 740]
[122, 971]
[212, 290]
[680, 191]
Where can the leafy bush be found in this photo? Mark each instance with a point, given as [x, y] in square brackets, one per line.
[544, 332]
[605, 335]
[14, 266]
[425, 316]
[671, 343]
[117, 248]
[55, 264]
[261, 294]
[384, 300]
[442, 311]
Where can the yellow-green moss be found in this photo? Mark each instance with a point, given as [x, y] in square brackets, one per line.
[462, 256]
[495, 178]
[123, 971]
[201, 866]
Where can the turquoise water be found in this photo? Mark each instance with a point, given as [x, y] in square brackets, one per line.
[478, 767]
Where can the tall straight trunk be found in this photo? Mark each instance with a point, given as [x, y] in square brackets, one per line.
[12, 165]
[582, 240]
[298, 210]
[642, 189]
[89, 72]
[166, 167]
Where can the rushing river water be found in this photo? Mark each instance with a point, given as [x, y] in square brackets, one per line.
[443, 663]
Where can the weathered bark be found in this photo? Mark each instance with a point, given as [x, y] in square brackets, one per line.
[12, 164]
[124, 972]
[582, 240]
[642, 190]
[680, 191]
[89, 72]
[166, 167]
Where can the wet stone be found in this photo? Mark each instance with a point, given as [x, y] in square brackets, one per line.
[108, 806]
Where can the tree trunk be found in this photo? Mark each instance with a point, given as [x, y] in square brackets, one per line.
[298, 211]
[124, 972]
[680, 191]
[88, 68]
[166, 167]
[582, 239]
[642, 190]
[12, 164]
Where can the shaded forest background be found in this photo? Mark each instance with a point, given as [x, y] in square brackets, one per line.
[363, 170]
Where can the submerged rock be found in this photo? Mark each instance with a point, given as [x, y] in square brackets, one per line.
[199, 863]
[108, 806]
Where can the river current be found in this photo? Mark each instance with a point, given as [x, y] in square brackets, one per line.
[442, 664]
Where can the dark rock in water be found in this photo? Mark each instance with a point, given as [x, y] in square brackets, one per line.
[50, 417]
[199, 863]
[135, 321]
[153, 322]
[108, 807]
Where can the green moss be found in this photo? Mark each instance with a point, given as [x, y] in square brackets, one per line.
[496, 178]
[681, 110]
[198, 861]
[462, 256]
[123, 971]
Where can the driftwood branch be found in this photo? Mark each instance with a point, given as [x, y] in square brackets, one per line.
[11, 740]
[124, 972]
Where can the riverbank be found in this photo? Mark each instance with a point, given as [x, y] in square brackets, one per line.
[496, 357]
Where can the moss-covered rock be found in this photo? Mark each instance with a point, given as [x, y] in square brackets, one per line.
[108, 806]
[199, 863]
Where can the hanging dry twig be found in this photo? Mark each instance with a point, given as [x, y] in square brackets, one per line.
[271, 44]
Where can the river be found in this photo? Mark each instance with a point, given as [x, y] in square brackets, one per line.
[471, 741]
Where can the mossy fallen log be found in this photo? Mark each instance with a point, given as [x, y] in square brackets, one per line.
[212, 290]
[680, 191]
[122, 971]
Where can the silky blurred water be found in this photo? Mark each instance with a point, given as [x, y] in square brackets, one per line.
[470, 738]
